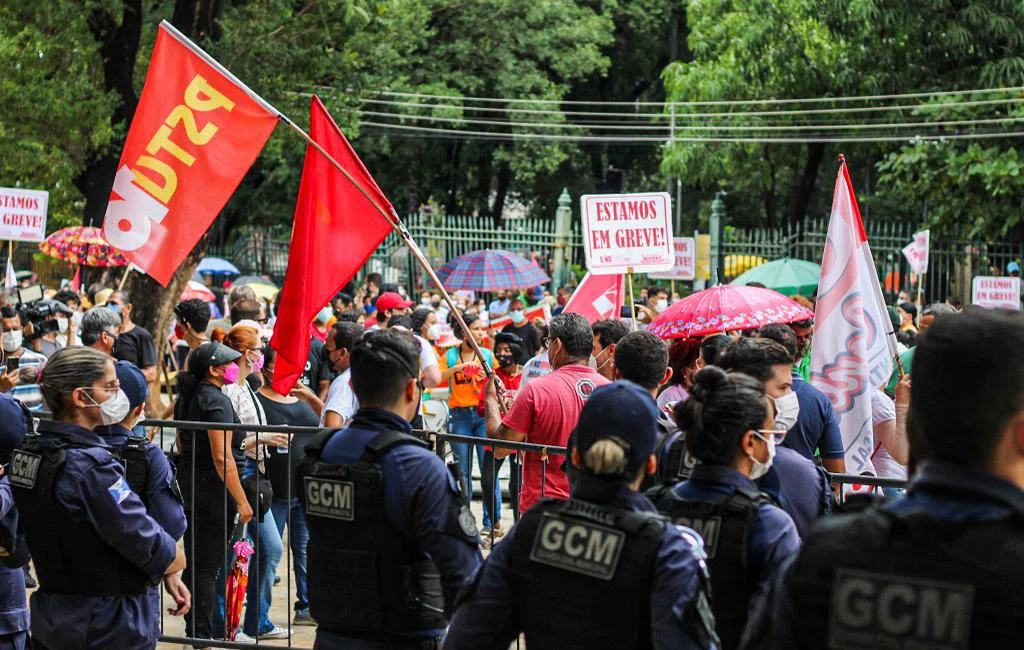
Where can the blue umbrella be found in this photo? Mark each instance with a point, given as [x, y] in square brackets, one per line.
[217, 265]
[489, 270]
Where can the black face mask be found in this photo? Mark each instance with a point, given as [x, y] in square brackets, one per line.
[505, 360]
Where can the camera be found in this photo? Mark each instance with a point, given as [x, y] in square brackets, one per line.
[39, 312]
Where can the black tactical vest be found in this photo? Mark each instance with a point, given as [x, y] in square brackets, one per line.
[70, 556]
[134, 458]
[366, 580]
[675, 463]
[726, 526]
[584, 575]
[877, 579]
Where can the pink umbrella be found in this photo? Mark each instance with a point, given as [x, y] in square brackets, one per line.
[237, 582]
[199, 290]
[726, 308]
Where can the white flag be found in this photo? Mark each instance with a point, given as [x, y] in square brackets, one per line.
[10, 280]
[916, 252]
[854, 344]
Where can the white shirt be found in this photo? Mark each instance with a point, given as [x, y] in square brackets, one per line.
[536, 367]
[340, 398]
[249, 411]
[883, 409]
[427, 355]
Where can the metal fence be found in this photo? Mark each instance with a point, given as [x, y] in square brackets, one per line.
[440, 441]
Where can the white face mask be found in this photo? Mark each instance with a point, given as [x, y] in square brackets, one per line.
[434, 332]
[593, 363]
[114, 409]
[12, 340]
[759, 469]
[517, 316]
[425, 302]
[661, 305]
[787, 410]
[62, 325]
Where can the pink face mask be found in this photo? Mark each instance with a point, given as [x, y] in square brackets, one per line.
[231, 373]
[257, 364]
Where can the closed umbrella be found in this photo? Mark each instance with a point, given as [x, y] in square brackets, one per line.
[238, 581]
[490, 270]
[726, 308]
[788, 276]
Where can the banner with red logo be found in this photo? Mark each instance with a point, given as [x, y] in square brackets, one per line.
[196, 132]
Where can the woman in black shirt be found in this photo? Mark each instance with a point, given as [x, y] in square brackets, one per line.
[208, 475]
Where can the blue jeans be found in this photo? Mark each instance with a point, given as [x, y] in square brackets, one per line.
[298, 537]
[465, 422]
[262, 569]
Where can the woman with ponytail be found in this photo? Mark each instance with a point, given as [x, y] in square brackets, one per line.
[601, 570]
[730, 429]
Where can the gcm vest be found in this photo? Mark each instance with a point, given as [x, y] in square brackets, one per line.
[366, 580]
[135, 460]
[584, 573]
[727, 526]
[70, 556]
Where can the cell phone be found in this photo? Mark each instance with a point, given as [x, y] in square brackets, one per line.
[13, 363]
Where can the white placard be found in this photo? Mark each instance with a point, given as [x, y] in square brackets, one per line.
[686, 261]
[916, 252]
[23, 214]
[627, 232]
[996, 293]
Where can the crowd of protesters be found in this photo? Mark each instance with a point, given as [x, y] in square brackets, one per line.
[709, 394]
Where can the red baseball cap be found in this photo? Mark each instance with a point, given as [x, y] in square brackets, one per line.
[391, 300]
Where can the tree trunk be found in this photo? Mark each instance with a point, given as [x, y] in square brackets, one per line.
[770, 194]
[804, 189]
[501, 193]
[455, 155]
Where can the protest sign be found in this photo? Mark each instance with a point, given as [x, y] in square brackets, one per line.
[531, 313]
[685, 264]
[996, 293]
[627, 233]
[916, 252]
[23, 214]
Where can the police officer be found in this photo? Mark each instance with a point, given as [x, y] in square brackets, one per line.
[14, 620]
[96, 550]
[601, 570]
[730, 430]
[390, 538]
[147, 470]
[942, 567]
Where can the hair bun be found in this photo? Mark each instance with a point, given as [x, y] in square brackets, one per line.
[708, 379]
[218, 335]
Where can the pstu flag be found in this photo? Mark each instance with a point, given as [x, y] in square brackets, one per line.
[336, 230]
[195, 133]
[916, 252]
[854, 346]
[598, 297]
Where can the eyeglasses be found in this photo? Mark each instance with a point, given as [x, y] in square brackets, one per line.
[776, 436]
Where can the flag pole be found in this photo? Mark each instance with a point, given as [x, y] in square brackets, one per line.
[632, 300]
[399, 227]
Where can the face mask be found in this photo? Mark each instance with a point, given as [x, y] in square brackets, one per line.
[434, 332]
[12, 340]
[369, 309]
[787, 410]
[179, 331]
[77, 318]
[504, 360]
[759, 469]
[114, 409]
[661, 305]
[257, 364]
[517, 316]
[425, 302]
[62, 324]
[231, 373]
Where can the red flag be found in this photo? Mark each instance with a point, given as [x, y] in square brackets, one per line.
[336, 229]
[598, 297]
[195, 133]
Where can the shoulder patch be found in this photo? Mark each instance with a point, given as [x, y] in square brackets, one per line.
[584, 387]
[119, 490]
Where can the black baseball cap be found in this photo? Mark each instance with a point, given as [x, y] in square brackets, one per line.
[209, 355]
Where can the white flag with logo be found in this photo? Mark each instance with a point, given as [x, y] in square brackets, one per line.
[916, 252]
[854, 347]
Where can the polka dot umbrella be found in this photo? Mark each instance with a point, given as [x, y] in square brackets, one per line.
[82, 246]
[726, 308]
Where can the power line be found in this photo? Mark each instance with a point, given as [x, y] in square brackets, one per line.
[485, 135]
[734, 102]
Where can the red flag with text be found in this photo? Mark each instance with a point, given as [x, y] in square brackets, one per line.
[336, 229]
[195, 133]
[598, 297]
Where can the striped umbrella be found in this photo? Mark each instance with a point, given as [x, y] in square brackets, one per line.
[490, 270]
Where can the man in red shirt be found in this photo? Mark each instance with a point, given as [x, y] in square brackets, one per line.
[547, 409]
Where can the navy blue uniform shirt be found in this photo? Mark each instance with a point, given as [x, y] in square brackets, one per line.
[774, 537]
[417, 494]
[947, 492]
[817, 425]
[13, 599]
[91, 487]
[487, 620]
[800, 486]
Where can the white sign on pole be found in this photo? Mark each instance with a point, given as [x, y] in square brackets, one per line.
[625, 233]
[996, 293]
[686, 257]
[916, 252]
[23, 214]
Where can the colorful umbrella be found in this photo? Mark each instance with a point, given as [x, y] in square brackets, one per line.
[263, 287]
[490, 270]
[217, 265]
[197, 290]
[83, 245]
[788, 276]
[726, 308]
[237, 582]
[736, 265]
